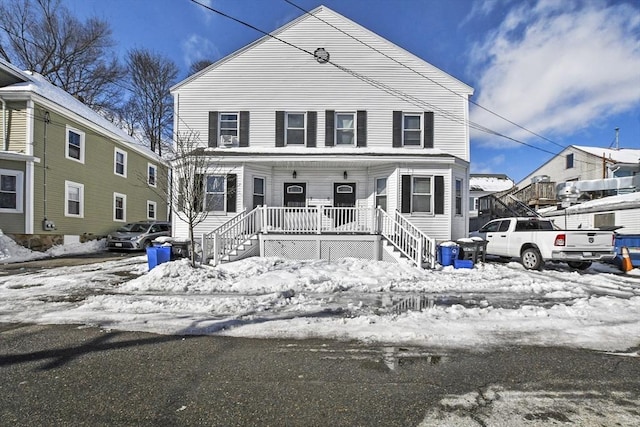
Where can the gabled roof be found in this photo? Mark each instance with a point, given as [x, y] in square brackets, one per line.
[463, 87]
[622, 155]
[490, 182]
[33, 83]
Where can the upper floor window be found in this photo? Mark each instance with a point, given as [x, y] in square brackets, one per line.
[295, 124]
[152, 175]
[381, 193]
[569, 161]
[119, 207]
[345, 128]
[74, 199]
[11, 189]
[412, 129]
[120, 163]
[75, 145]
[229, 128]
[421, 194]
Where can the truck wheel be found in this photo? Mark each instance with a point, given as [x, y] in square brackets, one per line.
[531, 259]
[579, 265]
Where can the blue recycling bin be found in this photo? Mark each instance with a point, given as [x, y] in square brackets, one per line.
[157, 255]
[447, 254]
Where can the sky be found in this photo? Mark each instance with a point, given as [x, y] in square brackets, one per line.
[546, 73]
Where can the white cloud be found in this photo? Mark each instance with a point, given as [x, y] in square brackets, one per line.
[558, 67]
[196, 48]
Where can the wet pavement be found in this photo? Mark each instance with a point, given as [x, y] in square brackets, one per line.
[77, 376]
[63, 261]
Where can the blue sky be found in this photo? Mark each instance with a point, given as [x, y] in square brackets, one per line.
[566, 70]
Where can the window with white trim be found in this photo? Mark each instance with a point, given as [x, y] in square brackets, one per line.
[74, 199]
[215, 193]
[120, 162]
[421, 191]
[228, 124]
[381, 193]
[119, 207]
[74, 148]
[411, 129]
[345, 128]
[295, 128]
[11, 190]
[152, 208]
[152, 175]
[258, 191]
[458, 197]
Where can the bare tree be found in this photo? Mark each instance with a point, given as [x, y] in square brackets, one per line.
[43, 36]
[152, 76]
[199, 66]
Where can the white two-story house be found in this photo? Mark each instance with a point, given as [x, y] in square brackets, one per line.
[326, 140]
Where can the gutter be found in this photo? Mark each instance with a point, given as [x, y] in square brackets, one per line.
[5, 146]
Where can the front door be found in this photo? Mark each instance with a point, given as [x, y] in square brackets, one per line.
[295, 195]
[344, 196]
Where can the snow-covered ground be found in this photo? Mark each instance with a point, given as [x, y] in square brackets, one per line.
[492, 304]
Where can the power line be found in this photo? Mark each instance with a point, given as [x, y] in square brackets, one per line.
[425, 76]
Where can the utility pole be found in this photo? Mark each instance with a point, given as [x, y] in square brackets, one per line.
[617, 141]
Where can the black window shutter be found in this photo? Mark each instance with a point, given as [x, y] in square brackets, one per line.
[439, 195]
[213, 129]
[329, 128]
[198, 193]
[405, 191]
[244, 129]
[312, 128]
[279, 128]
[428, 129]
[362, 129]
[397, 128]
[231, 192]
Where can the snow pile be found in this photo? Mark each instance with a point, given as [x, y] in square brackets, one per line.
[351, 299]
[11, 252]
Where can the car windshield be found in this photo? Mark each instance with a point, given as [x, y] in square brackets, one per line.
[134, 228]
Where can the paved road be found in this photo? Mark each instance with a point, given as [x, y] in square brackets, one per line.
[70, 376]
[63, 261]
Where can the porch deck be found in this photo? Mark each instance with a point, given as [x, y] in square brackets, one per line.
[407, 239]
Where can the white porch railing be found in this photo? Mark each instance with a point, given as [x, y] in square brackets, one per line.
[403, 235]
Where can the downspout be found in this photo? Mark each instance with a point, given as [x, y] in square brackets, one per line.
[5, 146]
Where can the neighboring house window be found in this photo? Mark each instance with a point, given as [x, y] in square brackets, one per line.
[11, 189]
[120, 163]
[75, 145]
[152, 174]
[345, 128]
[151, 209]
[381, 193]
[458, 198]
[258, 192]
[473, 201]
[411, 129]
[569, 161]
[119, 207]
[74, 199]
[295, 128]
[215, 194]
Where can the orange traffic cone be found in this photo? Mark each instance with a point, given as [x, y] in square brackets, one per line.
[626, 260]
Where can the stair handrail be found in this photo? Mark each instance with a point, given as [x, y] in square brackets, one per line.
[523, 205]
[428, 244]
[230, 235]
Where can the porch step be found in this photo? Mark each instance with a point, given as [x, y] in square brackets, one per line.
[393, 252]
[244, 250]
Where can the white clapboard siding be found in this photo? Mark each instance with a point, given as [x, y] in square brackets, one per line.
[270, 76]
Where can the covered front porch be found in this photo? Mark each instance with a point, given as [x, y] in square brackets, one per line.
[322, 232]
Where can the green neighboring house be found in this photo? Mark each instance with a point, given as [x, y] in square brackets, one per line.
[66, 173]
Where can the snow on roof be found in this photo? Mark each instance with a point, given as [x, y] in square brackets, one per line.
[39, 85]
[622, 201]
[490, 183]
[623, 155]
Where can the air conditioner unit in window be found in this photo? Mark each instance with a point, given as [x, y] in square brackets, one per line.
[229, 140]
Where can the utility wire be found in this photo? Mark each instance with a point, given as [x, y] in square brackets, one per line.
[379, 85]
[424, 76]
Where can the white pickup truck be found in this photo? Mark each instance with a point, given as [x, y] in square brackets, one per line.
[536, 240]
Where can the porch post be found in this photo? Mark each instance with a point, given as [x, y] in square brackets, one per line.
[374, 221]
[263, 211]
[319, 219]
[419, 257]
[204, 248]
[216, 248]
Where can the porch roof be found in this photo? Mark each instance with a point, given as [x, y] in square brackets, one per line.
[330, 156]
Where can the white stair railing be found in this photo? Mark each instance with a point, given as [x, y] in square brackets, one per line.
[402, 238]
[428, 244]
[230, 235]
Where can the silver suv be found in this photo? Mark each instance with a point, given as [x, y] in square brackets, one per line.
[137, 235]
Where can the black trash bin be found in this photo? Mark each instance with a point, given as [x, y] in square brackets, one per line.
[471, 249]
